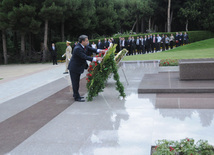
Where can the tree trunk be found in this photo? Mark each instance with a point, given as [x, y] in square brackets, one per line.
[171, 20]
[153, 23]
[187, 22]
[133, 26]
[150, 18]
[4, 47]
[44, 50]
[22, 47]
[142, 25]
[63, 31]
[15, 43]
[168, 17]
[137, 24]
[30, 46]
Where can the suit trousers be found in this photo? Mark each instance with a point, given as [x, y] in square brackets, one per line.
[54, 58]
[75, 80]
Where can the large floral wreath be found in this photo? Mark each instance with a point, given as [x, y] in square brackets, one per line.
[98, 73]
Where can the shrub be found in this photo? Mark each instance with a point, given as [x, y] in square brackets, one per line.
[61, 47]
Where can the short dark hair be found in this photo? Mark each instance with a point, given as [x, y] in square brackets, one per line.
[82, 38]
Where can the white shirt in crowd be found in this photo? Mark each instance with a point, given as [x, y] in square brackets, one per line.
[159, 39]
[94, 46]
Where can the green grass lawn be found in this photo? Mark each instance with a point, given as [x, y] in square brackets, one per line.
[201, 49]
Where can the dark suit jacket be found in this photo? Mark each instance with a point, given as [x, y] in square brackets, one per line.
[100, 45]
[177, 37]
[53, 52]
[78, 61]
[106, 44]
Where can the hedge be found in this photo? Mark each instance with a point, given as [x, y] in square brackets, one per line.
[193, 37]
[61, 47]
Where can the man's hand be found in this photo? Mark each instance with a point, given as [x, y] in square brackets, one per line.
[99, 59]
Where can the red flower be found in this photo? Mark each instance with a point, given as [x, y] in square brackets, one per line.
[100, 54]
[167, 62]
[90, 66]
[88, 80]
[89, 74]
[95, 64]
[171, 148]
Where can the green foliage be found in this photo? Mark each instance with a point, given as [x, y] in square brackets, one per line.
[99, 73]
[185, 146]
[52, 10]
[61, 47]
[190, 11]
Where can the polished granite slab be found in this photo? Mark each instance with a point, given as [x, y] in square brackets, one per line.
[169, 82]
[112, 125]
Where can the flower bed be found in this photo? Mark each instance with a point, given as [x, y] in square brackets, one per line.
[168, 62]
[185, 146]
[98, 74]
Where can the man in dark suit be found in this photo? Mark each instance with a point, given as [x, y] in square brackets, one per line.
[105, 44]
[142, 47]
[138, 43]
[177, 39]
[99, 45]
[78, 64]
[53, 51]
[133, 46]
[129, 45]
[181, 39]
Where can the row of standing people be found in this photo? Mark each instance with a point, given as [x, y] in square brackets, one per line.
[152, 43]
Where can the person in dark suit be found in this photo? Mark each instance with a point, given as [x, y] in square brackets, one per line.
[163, 42]
[99, 45]
[133, 46]
[129, 45]
[138, 44]
[181, 39]
[105, 44]
[53, 51]
[78, 64]
[177, 39]
[149, 42]
[186, 38]
[142, 47]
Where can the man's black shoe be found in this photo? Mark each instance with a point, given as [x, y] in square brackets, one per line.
[81, 97]
[79, 100]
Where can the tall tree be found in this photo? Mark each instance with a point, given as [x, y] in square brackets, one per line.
[22, 19]
[190, 11]
[51, 10]
[168, 17]
[207, 15]
[5, 7]
[106, 17]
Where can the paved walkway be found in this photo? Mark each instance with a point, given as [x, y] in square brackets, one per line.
[40, 116]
